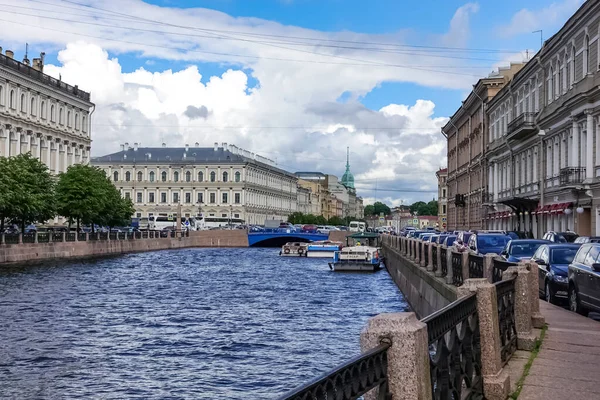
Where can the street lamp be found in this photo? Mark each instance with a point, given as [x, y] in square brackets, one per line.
[230, 215]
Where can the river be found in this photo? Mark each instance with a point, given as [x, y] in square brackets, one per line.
[182, 324]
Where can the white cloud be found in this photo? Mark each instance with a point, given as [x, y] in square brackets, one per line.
[525, 21]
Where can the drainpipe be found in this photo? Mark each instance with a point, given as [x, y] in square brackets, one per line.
[541, 133]
[456, 180]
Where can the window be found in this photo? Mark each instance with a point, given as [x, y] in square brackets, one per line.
[175, 197]
[69, 119]
[52, 117]
[32, 110]
[224, 215]
[127, 176]
[224, 198]
[127, 196]
[225, 176]
[151, 197]
[60, 117]
[140, 176]
[444, 193]
[236, 198]
[83, 126]
[586, 55]
[43, 110]
[115, 176]
[188, 197]
[236, 215]
[151, 176]
[138, 215]
[188, 176]
[213, 176]
[77, 122]
[238, 176]
[443, 209]
[200, 197]
[23, 105]
[580, 257]
[200, 176]
[212, 197]
[139, 197]
[163, 176]
[12, 99]
[163, 197]
[176, 176]
[1, 95]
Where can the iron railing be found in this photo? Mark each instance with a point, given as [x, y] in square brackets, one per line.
[121, 235]
[426, 252]
[112, 235]
[523, 121]
[444, 261]
[350, 380]
[145, 234]
[29, 238]
[57, 236]
[457, 278]
[93, 236]
[475, 266]
[498, 268]
[505, 295]
[103, 235]
[43, 237]
[70, 236]
[571, 175]
[455, 351]
[138, 235]
[419, 245]
[82, 237]
[434, 251]
[11, 238]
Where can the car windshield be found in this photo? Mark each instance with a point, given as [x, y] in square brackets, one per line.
[562, 256]
[486, 241]
[524, 249]
[450, 240]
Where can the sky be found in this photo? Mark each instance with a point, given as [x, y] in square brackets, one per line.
[296, 81]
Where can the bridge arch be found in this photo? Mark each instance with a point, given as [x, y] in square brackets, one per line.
[278, 239]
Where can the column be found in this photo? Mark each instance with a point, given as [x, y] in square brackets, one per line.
[575, 150]
[598, 142]
[18, 139]
[495, 190]
[589, 146]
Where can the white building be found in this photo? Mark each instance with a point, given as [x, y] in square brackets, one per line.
[42, 115]
[222, 181]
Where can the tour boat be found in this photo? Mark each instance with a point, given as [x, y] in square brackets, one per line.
[356, 259]
[293, 249]
[323, 249]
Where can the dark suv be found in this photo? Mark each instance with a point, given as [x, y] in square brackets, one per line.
[560, 237]
[485, 243]
[584, 280]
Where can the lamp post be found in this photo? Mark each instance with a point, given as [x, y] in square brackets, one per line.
[230, 215]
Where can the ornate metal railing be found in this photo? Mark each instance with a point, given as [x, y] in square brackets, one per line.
[419, 245]
[43, 237]
[11, 238]
[103, 235]
[498, 268]
[70, 236]
[444, 261]
[475, 266]
[112, 235]
[29, 238]
[350, 380]
[121, 235]
[434, 251]
[455, 351]
[505, 294]
[426, 253]
[457, 278]
[81, 237]
[571, 175]
[145, 234]
[138, 235]
[57, 236]
[93, 236]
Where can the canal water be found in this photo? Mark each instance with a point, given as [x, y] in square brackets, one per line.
[184, 324]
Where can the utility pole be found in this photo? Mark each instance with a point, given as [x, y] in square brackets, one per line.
[541, 32]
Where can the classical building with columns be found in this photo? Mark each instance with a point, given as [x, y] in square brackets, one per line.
[220, 181]
[42, 115]
[544, 151]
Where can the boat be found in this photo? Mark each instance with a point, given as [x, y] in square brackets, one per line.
[323, 249]
[294, 249]
[356, 259]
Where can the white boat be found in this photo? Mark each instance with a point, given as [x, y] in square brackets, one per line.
[294, 249]
[323, 249]
[356, 259]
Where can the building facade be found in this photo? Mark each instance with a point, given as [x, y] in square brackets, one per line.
[42, 115]
[223, 181]
[442, 177]
[467, 143]
[544, 158]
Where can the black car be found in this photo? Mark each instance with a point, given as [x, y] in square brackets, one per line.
[584, 280]
[553, 268]
[560, 237]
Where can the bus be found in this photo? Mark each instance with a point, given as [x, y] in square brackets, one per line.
[160, 222]
[203, 223]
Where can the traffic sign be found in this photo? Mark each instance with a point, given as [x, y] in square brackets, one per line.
[170, 217]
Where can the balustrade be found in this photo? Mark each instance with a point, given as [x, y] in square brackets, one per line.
[57, 236]
[104, 235]
[82, 237]
[434, 252]
[70, 236]
[444, 261]
[475, 266]
[43, 237]
[29, 238]
[457, 278]
[505, 295]
[426, 252]
[499, 267]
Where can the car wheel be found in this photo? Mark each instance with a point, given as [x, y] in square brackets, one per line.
[574, 304]
[550, 298]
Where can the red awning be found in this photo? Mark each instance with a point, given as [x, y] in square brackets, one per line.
[537, 210]
[559, 208]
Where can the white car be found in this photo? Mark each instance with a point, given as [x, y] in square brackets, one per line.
[322, 229]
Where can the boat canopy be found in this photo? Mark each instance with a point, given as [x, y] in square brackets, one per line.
[365, 238]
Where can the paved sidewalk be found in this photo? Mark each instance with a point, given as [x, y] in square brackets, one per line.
[568, 364]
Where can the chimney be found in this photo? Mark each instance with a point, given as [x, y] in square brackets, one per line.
[135, 146]
[224, 146]
[25, 60]
[10, 54]
[184, 155]
[197, 144]
[216, 146]
[42, 56]
[122, 147]
[187, 147]
[126, 146]
[164, 145]
[36, 64]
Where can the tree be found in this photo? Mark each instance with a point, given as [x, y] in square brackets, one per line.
[81, 194]
[117, 211]
[28, 190]
[422, 208]
[335, 220]
[377, 208]
[296, 218]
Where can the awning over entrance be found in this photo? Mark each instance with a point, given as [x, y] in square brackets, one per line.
[520, 204]
[556, 208]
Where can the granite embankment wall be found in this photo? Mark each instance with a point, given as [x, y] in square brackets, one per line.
[425, 292]
[27, 252]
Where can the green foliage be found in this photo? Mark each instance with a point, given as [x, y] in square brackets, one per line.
[422, 208]
[336, 221]
[117, 211]
[300, 218]
[377, 208]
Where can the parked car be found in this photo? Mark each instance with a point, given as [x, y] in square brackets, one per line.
[449, 240]
[486, 243]
[322, 229]
[584, 279]
[553, 267]
[521, 249]
[309, 228]
[426, 237]
[587, 239]
[560, 237]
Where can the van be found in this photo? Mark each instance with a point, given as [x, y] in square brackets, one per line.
[356, 226]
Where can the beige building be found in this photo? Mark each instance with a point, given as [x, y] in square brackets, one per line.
[223, 181]
[315, 194]
[442, 176]
[42, 115]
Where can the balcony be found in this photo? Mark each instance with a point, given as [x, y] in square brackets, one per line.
[521, 126]
[572, 175]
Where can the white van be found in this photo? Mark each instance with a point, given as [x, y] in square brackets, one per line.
[356, 226]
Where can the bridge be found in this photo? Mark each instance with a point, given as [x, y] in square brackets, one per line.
[278, 238]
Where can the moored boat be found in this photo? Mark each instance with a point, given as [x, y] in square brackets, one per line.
[294, 249]
[323, 249]
[356, 259]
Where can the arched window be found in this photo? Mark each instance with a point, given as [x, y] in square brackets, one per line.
[1, 95]
[572, 66]
[188, 176]
[76, 121]
[565, 74]
[237, 176]
[163, 176]
[586, 55]
[151, 176]
[23, 105]
[176, 176]
[52, 116]
[550, 94]
[69, 119]
[115, 176]
[60, 117]
[43, 110]
[140, 176]
[127, 176]
[213, 176]
[32, 111]
[12, 99]
[225, 176]
[200, 176]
